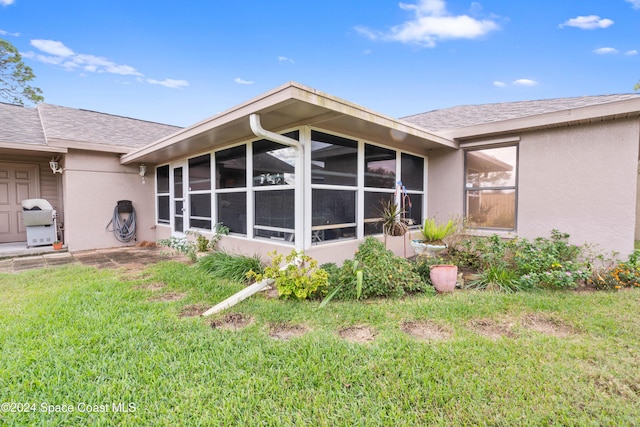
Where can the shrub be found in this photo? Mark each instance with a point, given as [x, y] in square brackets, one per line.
[540, 263]
[181, 245]
[498, 278]
[383, 274]
[550, 262]
[622, 275]
[298, 278]
[222, 265]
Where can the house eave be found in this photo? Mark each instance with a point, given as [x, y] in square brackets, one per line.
[66, 144]
[30, 149]
[618, 110]
[285, 107]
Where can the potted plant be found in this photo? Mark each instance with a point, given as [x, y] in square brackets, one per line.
[57, 245]
[393, 224]
[443, 277]
[433, 236]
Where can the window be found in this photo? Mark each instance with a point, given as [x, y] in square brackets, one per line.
[200, 192]
[334, 160]
[162, 192]
[334, 178]
[380, 167]
[412, 178]
[231, 192]
[491, 187]
[273, 187]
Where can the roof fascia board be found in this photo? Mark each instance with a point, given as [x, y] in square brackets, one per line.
[289, 92]
[88, 146]
[547, 119]
[269, 99]
[32, 147]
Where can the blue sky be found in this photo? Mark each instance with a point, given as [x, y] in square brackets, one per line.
[179, 62]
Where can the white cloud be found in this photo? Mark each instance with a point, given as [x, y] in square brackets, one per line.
[525, 82]
[285, 59]
[631, 52]
[6, 2]
[499, 84]
[605, 51]
[431, 23]
[242, 81]
[59, 54]
[52, 47]
[7, 33]
[634, 3]
[170, 83]
[590, 22]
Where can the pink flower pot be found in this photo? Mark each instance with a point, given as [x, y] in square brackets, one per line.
[444, 277]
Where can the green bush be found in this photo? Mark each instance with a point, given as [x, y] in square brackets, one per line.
[383, 274]
[551, 263]
[222, 265]
[296, 276]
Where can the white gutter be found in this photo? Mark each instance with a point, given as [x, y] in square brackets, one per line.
[258, 130]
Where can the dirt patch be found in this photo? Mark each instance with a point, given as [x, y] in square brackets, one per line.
[425, 330]
[192, 310]
[358, 334]
[168, 297]
[271, 292]
[151, 286]
[547, 325]
[285, 332]
[232, 322]
[494, 329]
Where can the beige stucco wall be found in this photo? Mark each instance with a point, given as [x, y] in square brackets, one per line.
[445, 184]
[582, 181]
[93, 183]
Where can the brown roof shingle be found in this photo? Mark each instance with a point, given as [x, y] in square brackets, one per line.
[99, 128]
[470, 115]
[20, 125]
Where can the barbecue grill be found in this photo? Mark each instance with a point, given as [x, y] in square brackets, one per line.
[39, 219]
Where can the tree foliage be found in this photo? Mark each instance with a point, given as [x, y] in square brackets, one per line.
[15, 77]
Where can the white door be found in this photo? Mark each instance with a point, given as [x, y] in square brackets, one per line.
[178, 200]
[17, 182]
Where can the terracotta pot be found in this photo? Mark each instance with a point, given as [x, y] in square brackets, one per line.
[444, 277]
[57, 246]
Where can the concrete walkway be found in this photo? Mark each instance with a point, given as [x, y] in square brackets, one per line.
[100, 258]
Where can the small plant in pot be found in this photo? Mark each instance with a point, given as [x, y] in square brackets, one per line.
[393, 223]
[433, 236]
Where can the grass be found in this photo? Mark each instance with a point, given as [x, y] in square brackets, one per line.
[76, 336]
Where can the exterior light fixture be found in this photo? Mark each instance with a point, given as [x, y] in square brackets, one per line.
[54, 166]
[143, 171]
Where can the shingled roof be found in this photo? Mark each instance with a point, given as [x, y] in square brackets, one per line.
[71, 124]
[20, 125]
[471, 115]
[53, 124]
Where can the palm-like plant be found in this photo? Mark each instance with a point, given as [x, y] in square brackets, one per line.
[436, 233]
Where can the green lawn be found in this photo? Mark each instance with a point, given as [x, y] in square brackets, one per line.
[83, 337]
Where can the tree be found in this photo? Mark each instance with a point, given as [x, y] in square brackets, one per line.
[637, 86]
[15, 77]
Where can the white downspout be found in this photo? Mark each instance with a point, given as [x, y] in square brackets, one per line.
[258, 130]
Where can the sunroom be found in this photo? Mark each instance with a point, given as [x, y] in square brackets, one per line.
[294, 168]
